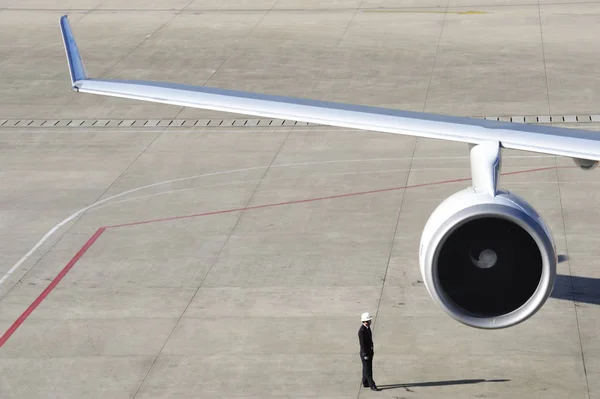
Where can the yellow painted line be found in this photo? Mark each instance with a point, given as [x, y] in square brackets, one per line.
[429, 12]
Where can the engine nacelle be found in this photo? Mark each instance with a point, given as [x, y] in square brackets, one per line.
[585, 164]
[489, 262]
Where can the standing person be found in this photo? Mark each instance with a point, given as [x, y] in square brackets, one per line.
[365, 338]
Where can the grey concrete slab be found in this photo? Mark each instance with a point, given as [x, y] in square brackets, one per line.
[299, 28]
[158, 262]
[260, 5]
[570, 91]
[267, 302]
[402, 66]
[511, 46]
[20, 228]
[82, 302]
[347, 80]
[404, 5]
[252, 70]
[44, 5]
[181, 34]
[262, 335]
[330, 146]
[477, 3]
[53, 88]
[38, 23]
[47, 177]
[42, 266]
[392, 31]
[317, 4]
[62, 376]
[92, 174]
[95, 337]
[587, 314]
[143, 5]
[247, 261]
[576, 206]
[180, 158]
[281, 375]
[240, 265]
[593, 366]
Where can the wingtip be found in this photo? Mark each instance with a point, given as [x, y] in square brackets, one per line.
[74, 61]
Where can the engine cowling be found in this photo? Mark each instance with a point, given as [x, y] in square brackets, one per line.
[489, 262]
[585, 164]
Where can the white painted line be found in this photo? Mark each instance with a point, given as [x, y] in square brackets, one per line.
[232, 183]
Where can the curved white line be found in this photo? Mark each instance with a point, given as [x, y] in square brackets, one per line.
[74, 215]
[231, 183]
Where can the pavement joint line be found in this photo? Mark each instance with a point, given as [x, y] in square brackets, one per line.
[574, 118]
[564, 224]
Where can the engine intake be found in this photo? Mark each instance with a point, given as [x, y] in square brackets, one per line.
[585, 164]
[489, 262]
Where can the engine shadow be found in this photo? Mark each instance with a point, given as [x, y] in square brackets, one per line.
[409, 385]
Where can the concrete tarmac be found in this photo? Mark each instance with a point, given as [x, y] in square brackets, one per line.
[233, 259]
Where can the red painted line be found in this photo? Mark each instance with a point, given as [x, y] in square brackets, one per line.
[315, 199]
[101, 230]
[51, 286]
[281, 204]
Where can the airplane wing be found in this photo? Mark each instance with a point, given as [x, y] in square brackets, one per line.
[577, 144]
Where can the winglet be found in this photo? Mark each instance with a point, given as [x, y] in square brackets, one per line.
[76, 68]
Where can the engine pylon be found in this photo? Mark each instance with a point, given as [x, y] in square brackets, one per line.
[486, 162]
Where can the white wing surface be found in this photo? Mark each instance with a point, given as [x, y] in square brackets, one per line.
[578, 144]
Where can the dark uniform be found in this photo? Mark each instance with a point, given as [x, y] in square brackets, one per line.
[365, 338]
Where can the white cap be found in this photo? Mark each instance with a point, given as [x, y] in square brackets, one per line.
[365, 317]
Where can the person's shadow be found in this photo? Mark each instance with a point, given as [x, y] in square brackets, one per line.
[409, 385]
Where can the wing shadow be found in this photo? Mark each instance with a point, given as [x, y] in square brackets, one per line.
[577, 288]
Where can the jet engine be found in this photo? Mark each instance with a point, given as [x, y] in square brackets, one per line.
[488, 261]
